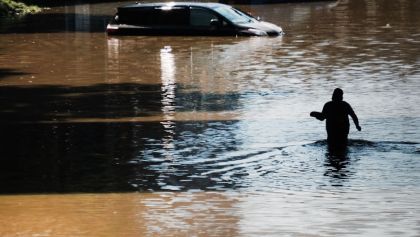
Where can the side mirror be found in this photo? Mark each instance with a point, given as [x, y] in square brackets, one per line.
[255, 17]
[215, 23]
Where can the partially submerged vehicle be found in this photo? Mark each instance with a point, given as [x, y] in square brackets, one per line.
[188, 18]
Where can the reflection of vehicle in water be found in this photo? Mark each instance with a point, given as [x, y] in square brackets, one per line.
[197, 62]
[188, 18]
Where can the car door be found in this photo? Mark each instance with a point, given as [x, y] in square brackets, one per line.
[206, 22]
[171, 20]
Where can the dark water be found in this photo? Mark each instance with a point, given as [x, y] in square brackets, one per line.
[211, 125]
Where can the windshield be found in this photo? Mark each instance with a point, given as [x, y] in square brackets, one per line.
[234, 15]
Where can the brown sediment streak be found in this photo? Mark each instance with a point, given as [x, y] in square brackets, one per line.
[180, 116]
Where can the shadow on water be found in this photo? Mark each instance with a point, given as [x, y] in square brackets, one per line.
[105, 101]
[6, 72]
[98, 157]
[69, 157]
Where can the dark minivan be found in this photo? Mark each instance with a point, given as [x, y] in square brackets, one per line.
[187, 18]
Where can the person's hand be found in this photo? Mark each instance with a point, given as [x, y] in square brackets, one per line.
[317, 115]
[359, 128]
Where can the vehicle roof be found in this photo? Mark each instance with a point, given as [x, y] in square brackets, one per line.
[172, 4]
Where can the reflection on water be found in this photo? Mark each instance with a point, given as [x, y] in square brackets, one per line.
[168, 69]
[210, 136]
[82, 17]
[285, 213]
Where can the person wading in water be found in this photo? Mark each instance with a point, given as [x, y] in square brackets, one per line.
[337, 112]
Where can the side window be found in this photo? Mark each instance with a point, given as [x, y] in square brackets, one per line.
[142, 17]
[201, 17]
[154, 17]
[172, 17]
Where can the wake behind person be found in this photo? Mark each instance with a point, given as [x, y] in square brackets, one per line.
[337, 113]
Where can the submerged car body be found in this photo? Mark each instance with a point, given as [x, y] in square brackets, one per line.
[187, 18]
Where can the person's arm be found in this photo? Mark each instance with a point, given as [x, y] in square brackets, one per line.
[354, 117]
[319, 115]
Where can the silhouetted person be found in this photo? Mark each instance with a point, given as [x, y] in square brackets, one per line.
[337, 112]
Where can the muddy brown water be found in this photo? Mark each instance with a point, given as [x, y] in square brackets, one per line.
[210, 136]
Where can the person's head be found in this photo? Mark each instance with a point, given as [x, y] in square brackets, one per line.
[337, 95]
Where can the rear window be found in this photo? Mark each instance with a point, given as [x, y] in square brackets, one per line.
[154, 16]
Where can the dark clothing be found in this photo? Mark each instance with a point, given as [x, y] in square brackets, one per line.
[337, 115]
[337, 112]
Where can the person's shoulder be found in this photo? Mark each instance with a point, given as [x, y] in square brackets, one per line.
[345, 103]
[328, 103]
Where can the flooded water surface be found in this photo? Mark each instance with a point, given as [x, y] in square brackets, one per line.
[210, 136]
